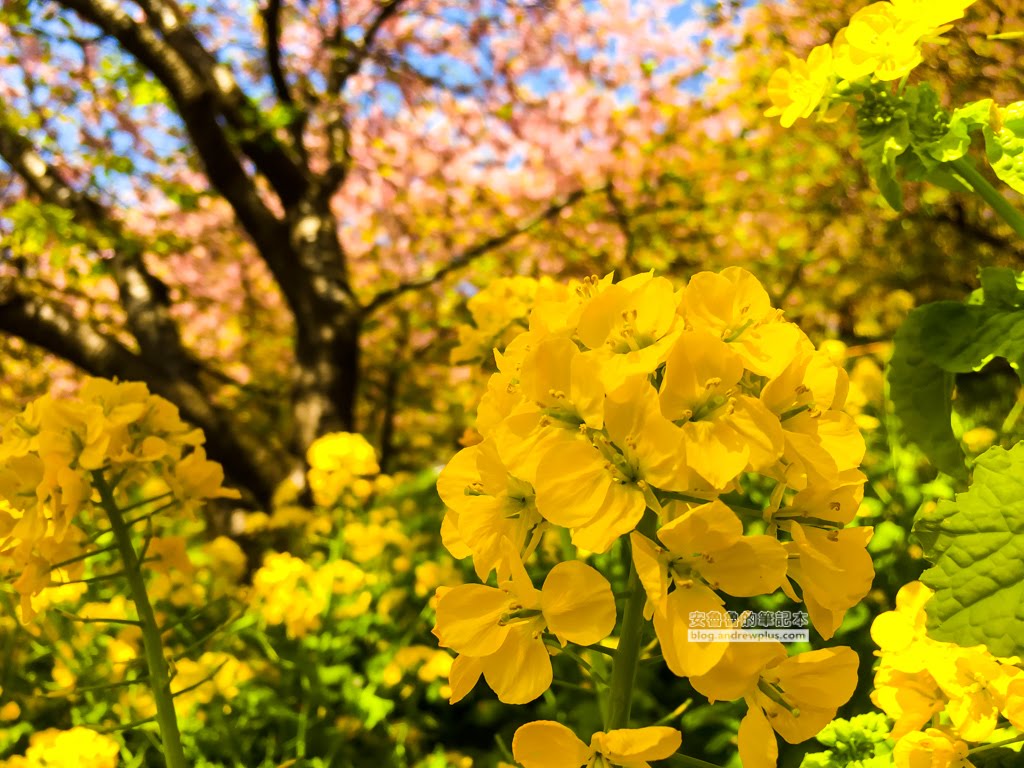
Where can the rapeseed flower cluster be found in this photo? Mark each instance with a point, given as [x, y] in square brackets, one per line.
[298, 594]
[74, 748]
[633, 412]
[941, 696]
[882, 41]
[341, 468]
[55, 452]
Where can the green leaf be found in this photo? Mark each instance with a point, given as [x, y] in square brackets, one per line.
[1001, 287]
[940, 340]
[920, 393]
[1004, 144]
[881, 144]
[957, 138]
[145, 91]
[977, 545]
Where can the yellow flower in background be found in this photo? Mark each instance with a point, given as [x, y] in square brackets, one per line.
[197, 681]
[50, 457]
[367, 541]
[797, 90]
[286, 591]
[933, 13]
[227, 560]
[337, 461]
[547, 744]
[933, 748]
[498, 311]
[76, 748]
[977, 686]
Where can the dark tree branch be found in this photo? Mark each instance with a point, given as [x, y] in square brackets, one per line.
[196, 105]
[53, 328]
[623, 221]
[474, 252]
[256, 139]
[272, 26]
[349, 58]
[223, 166]
[144, 297]
[345, 62]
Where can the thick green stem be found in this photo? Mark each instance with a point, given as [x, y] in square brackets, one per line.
[965, 168]
[627, 655]
[159, 679]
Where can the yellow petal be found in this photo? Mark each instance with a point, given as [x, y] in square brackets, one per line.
[468, 619]
[547, 744]
[696, 359]
[758, 748]
[578, 604]
[455, 545]
[631, 745]
[520, 671]
[618, 514]
[739, 670]
[572, 483]
[826, 677]
[760, 429]
[463, 677]
[767, 349]
[755, 565]
[715, 451]
[651, 564]
[672, 624]
[712, 526]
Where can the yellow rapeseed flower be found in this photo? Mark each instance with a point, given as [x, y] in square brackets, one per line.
[797, 90]
[547, 744]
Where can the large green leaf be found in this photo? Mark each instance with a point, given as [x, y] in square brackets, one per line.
[940, 340]
[977, 546]
[1004, 145]
[921, 396]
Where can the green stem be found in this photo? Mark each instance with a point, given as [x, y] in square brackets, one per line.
[965, 168]
[159, 680]
[691, 762]
[627, 655]
[1005, 742]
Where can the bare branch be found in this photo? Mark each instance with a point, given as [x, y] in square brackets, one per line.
[474, 252]
[197, 106]
[348, 59]
[272, 26]
[255, 137]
